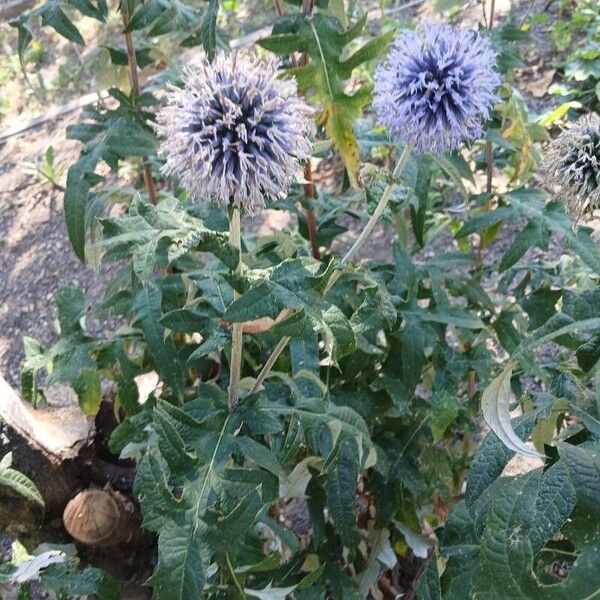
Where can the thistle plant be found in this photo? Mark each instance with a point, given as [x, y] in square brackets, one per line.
[235, 135]
[310, 487]
[571, 166]
[436, 87]
[433, 92]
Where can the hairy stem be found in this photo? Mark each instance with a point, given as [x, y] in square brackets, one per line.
[237, 328]
[489, 172]
[492, 10]
[278, 7]
[309, 187]
[135, 87]
[354, 250]
[383, 202]
[489, 160]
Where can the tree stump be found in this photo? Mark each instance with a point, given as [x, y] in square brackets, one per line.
[101, 518]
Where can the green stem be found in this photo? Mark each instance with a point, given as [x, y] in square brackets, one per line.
[356, 247]
[240, 589]
[366, 232]
[237, 328]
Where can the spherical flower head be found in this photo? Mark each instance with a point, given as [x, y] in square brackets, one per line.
[235, 133]
[436, 87]
[571, 166]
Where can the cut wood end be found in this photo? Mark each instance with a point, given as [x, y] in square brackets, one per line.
[58, 431]
[101, 518]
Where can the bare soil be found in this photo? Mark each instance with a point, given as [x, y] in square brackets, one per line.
[37, 259]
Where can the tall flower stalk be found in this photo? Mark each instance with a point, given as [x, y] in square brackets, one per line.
[235, 366]
[433, 92]
[235, 135]
[309, 186]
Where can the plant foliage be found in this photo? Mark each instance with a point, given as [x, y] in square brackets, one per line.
[365, 434]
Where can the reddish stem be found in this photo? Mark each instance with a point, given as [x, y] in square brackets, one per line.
[309, 187]
[489, 159]
[309, 191]
[135, 86]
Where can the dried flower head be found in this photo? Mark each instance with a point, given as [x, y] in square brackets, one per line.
[436, 87]
[571, 166]
[235, 133]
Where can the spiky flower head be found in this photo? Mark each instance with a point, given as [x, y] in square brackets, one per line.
[436, 87]
[571, 166]
[235, 133]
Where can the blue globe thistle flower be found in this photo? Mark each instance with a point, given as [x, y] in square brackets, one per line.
[436, 87]
[571, 166]
[235, 133]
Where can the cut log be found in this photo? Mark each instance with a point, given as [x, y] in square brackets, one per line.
[48, 445]
[57, 447]
[102, 518]
[58, 431]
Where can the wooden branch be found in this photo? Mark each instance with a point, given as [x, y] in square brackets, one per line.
[14, 8]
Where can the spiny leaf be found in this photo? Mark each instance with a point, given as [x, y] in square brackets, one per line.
[341, 492]
[492, 456]
[182, 562]
[531, 203]
[324, 39]
[208, 30]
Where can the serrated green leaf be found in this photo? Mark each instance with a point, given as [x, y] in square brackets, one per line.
[147, 308]
[583, 464]
[182, 562]
[151, 488]
[88, 388]
[208, 30]
[97, 11]
[260, 455]
[53, 16]
[492, 456]
[112, 135]
[428, 585]
[146, 14]
[531, 204]
[534, 234]
[70, 304]
[341, 492]
[324, 39]
[66, 579]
